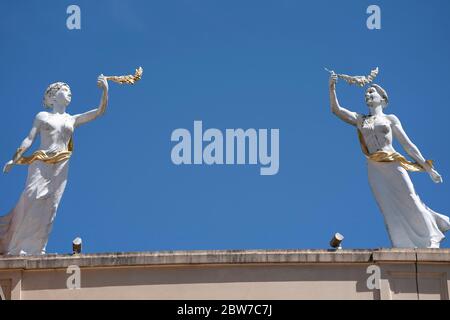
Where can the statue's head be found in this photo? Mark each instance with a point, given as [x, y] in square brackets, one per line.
[57, 93]
[375, 96]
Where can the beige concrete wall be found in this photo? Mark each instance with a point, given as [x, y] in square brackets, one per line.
[198, 275]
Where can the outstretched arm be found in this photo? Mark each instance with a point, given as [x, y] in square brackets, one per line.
[95, 113]
[411, 148]
[26, 143]
[346, 115]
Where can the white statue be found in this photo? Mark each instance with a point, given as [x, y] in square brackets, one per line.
[410, 223]
[26, 228]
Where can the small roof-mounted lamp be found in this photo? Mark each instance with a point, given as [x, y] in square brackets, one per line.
[76, 245]
[336, 241]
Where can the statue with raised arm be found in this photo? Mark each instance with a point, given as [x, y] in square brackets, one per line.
[409, 222]
[25, 230]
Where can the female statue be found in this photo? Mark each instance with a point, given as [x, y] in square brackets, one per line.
[410, 223]
[26, 228]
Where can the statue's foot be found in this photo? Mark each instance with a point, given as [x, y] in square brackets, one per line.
[434, 245]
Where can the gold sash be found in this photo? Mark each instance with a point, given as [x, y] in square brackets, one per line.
[383, 156]
[44, 157]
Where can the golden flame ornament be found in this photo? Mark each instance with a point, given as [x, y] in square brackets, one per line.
[128, 79]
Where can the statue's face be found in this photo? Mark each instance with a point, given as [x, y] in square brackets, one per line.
[373, 98]
[63, 96]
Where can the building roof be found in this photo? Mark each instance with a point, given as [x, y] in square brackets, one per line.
[211, 257]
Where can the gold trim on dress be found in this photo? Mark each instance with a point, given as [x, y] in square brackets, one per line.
[49, 159]
[383, 156]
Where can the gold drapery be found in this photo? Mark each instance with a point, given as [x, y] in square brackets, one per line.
[383, 156]
[44, 157]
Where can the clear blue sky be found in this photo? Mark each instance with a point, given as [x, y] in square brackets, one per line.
[231, 64]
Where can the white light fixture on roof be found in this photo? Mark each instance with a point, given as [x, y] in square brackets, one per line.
[76, 245]
[336, 241]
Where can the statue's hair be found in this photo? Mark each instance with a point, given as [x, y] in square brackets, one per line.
[382, 93]
[50, 93]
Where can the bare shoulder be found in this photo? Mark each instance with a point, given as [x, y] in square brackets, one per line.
[393, 119]
[42, 116]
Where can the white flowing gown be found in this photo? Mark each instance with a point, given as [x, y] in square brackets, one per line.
[25, 230]
[409, 222]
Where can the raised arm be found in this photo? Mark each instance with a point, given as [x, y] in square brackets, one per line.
[95, 113]
[26, 143]
[346, 115]
[411, 148]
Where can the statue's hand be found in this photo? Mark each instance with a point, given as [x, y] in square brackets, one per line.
[333, 80]
[102, 82]
[8, 166]
[435, 176]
